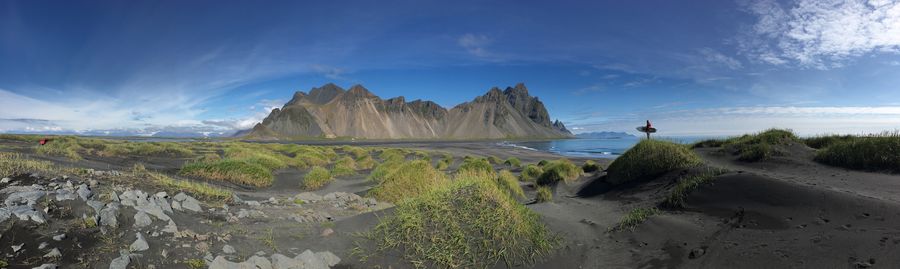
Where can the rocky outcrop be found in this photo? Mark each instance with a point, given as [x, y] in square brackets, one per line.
[330, 111]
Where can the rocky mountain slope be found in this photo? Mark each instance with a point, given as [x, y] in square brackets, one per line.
[330, 111]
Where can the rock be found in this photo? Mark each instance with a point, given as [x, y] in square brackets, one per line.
[208, 258]
[253, 213]
[327, 232]
[253, 203]
[18, 247]
[163, 204]
[59, 237]
[96, 205]
[260, 253]
[23, 212]
[170, 228]
[121, 262]
[93, 183]
[109, 214]
[84, 192]
[254, 262]
[228, 249]
[259, 262]
[161, 194]
[310, 260]
[177, 206]
[191, 204]
[235, 199]
[329, 258]
[43, 245]
[26, 197]
[54, 253]
[5, 180]
[140, 244]
[221, 263]
[284, 262]
[64, 195]
[141, 219]
[46, 266]
[180, 196]
[696, 253]
[308, 197]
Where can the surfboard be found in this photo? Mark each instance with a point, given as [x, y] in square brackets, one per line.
[644, 129]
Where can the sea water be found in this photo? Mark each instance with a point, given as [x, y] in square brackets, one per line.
[591, 147]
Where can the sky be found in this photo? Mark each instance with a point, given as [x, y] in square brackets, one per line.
[713, 67]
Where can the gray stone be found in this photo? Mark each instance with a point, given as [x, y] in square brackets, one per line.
[16, 248]
[177, 206]
[142, 220]
[109, 215]
[228, 249]
[328, 258]
[311, 260]
[284, 262]
[59, 237]
[180, 196]
[54, 253]
[208, 257]
[121, 262]
[85, 192]
[191, 204]
[93, 183]
[140, 244]
[170, 228]
[5, 180]
[162, 203]
[27, 197]
[46, 266]
[259, 262]
[96, 205]
[64, 195]
[26, 212]
[260, 253]
[43, 245]
[252, 203]
[235, 199]
[308, 197]
[221, 263]
[696, 253]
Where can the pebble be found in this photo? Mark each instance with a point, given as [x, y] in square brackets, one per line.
[228, 249]
[140, 244]
[5, 180]
[16, 248]
[46, 266]
[696, 253]
[54, 253]
[141, 219]
[327, 232]
[59, 237]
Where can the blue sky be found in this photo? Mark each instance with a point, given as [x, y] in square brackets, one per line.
[693, 67]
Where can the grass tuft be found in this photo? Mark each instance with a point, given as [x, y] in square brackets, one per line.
[635, 217]
[476, 165]
[544, 194]
[344, 167]
[870, 153]
[316, 178]
[235, 171]
[470, 223]
[590, 166]
[559, 170]
[531, 172]
[650, 158]
[507, 181]
[686, 185]
[407, 180]
[513, 162]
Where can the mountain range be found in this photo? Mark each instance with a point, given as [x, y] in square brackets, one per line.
[330, 111]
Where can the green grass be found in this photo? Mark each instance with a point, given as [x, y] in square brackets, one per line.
[544, 194]
[64, 146]
[650, 158]
[476, 165]
[507, 181]
[234, 171]
[317, 178]
[635, 217]
[202, 191]
[708, 143]
[559, 170]
[356, 152]
[530, 173]
[470, 223]
[820, 142]
[513, 162]
[407, 180]
[167, 149]
[870, 153]
[590, 166]
[686, 185]
[495, 160]
[12, 164]
[542, 163]
[392, 154]
[384, 169]
[760, 146]
[365, 162]
[195, 263]
[344, 166]
[445, 162]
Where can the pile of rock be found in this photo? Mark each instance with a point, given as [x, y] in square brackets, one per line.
[340, 200]
[307, 259]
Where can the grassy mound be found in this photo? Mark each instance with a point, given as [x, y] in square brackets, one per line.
[383, 170]
[344, 166]
[686, 185]
[476, 165]
[819, 142]
[531, 172]
[316, 178]
[494, 160]
[544, 194]
[407, 180]
[871, 153]
[650, 158]
[757, 147]
[559, 170]
[469, 224]
[513, 162]
[507, 181]
[235, 171]
[365, 162]
[590, 166]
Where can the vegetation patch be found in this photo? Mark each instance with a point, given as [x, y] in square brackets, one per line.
[384, 169]
[468, 224]
[544, 194]
[531, 172]
[590, 166]
[870, 153]
[235, 171]
[477, 165]
[365, 162]
[344, 167]
[445, 162]
[12, 164]
[507, 181]
[757, 147]
[513, 162]
[820, 142]
[686, 185]
[316, 178]
[392, 154]
[202, 191]
[559, 170]
[407, 180]
[635, 217]
[650, 158]
[494, 160]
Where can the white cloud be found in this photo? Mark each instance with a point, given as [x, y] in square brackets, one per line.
[716, 57]
[821, 33]
[328, 71]
[475, 44]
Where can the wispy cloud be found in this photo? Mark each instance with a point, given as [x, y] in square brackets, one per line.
[329, 71]
[476, 44]
[821, 33]
[718, 58]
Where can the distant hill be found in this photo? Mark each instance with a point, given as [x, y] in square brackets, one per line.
[604, 135]
[330, 111]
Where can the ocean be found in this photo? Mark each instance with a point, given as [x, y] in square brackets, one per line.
[592, 148]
